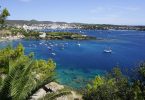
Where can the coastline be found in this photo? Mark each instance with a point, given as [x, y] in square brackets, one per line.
[10, 38]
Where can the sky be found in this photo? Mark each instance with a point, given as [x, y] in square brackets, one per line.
[121, 12]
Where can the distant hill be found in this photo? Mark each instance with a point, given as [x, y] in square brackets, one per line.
[22, 22]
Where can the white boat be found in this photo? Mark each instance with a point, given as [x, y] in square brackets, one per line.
[79, 44]
[51, 45]
[56, 44]
[49, 48]
[40, 43]
[108, 51]
[53, 54]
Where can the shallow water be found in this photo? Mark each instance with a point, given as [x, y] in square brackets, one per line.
[76, 65]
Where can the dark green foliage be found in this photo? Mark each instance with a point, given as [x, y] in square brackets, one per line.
[57, 36]
[110, 27]
[116, 86]
[31, 34]
[141, 70]
[67, 35]
[3, 15]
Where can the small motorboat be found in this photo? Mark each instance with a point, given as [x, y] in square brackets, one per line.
[51, 45]
[79, 44]
[53, 54]
[40, 43]
[49, 48]
[56, 44]
[108, 51]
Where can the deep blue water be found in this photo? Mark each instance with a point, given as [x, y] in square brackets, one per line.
[76, 65]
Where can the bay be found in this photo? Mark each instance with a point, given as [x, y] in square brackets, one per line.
[78, 64]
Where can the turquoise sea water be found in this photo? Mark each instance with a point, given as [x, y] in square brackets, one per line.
[76, 65]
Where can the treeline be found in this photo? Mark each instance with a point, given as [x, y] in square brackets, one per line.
[110, 27]
[68, 36]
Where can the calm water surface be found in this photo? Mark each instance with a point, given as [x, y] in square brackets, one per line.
[76, 65]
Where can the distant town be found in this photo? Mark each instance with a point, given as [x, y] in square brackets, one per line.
[40, 25]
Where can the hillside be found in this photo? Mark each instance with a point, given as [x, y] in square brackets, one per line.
[22, 22]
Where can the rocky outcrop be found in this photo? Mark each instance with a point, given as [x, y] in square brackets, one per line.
[54, 87]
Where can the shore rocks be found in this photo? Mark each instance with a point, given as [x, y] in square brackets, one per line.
[53, 86]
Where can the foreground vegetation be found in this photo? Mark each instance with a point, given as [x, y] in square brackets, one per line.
[116, 86]
[21, 76]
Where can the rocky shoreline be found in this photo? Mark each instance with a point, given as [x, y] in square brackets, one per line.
[7, 38]
[55, 87]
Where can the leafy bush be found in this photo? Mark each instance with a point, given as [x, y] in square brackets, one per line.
[116, 86]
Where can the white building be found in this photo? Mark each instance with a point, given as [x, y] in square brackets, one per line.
[43, 35]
